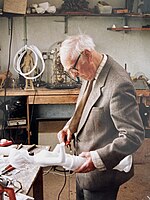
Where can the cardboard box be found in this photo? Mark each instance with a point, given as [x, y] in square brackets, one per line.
[15, 6]
[104, 9]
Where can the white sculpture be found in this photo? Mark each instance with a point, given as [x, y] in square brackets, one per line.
[57, 157]
[44, 158]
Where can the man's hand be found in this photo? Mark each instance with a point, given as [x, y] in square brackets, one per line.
[88, 165]
[65, 135]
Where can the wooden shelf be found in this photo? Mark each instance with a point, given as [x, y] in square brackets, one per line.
[129, 29]
[17, 127]
[89, 13]
[86, 13]
[62, 14]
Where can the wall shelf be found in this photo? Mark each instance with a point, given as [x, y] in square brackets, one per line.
[62, 14]
[67, 15]
[94, 14]
[128, 29]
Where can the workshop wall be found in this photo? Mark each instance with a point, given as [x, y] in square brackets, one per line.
[131, 48]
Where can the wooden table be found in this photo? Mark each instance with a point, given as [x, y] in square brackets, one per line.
[43, 96]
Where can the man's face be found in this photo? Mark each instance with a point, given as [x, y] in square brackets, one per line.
[82, 66]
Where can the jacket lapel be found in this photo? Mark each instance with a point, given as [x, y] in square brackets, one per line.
[82, 90]
[94, 95]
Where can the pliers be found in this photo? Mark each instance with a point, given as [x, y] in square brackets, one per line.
[68, 145]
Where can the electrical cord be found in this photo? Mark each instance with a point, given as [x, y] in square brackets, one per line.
[65, 179]
[8, 69]
[53, 169]
[59, 174]
[32, 111]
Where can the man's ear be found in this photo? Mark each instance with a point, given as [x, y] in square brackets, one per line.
[88, 55]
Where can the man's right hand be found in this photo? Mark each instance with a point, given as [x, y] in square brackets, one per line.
[64, 135]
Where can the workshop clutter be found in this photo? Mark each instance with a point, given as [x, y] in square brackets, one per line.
[56, 77]
[41, 8]
[5, 78]
[8, 190]
[20, 7]
[138, 6]
[75, 6]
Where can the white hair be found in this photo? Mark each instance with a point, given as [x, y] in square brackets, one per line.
[74, 45]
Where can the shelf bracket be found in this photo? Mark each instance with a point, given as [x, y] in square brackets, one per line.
[66, 23]
[25, 31]
[10, 22]
[126, 23]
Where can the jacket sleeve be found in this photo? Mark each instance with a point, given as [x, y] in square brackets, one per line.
[124, 113]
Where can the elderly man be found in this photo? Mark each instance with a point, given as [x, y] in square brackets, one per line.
[106, 125]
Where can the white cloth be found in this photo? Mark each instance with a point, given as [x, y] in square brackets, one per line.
[124, 165]
[6, 150]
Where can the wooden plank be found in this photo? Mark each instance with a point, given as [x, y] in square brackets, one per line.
[59, 99]
[38, 191]
[128, 29]
[45, 92]
[38, 91]
[145, 93]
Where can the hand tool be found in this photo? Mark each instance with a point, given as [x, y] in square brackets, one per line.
[8, 168]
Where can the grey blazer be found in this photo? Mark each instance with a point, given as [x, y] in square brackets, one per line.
[110, 124]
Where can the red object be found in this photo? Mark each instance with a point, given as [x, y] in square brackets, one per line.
[67, 143]
[7, 169]
[9, 191]
[4, 143]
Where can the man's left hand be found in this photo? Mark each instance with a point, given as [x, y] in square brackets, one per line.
[88, 165]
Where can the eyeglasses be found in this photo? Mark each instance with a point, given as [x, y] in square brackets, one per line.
[73, 69]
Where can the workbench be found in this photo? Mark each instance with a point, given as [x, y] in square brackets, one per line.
[58, 97]
[43, 96]
[30, 175]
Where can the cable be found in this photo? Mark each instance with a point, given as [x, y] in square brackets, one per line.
[53, 169]
[65, 179]
[32, 112]
[8, 69]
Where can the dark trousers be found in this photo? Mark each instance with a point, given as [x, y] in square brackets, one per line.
[102, 194]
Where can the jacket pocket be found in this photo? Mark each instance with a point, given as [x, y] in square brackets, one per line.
[98, 118]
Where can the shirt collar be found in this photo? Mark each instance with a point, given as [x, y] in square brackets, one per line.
[104, 60]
